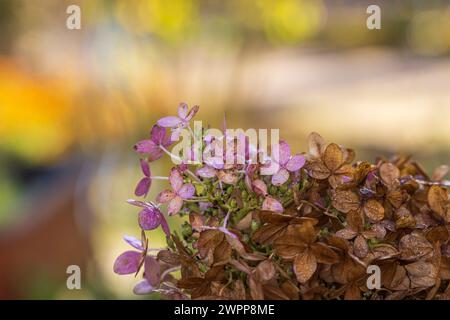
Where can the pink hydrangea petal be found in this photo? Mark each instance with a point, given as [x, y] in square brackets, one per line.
[127, 262]
[157, 134]
[206, 172]
[280, 177]
[175, 205]
[169, 122]
[183, 110]
[149, 219]
[143, 187]
[269, 169]
[285, 152]
[176, 180]
[155, 155]
[165, 196]
[272, 204]
[143, 287]
[134, 242]
[145, 168]
[152, 271]
[146, 146]
[296, 163]
[186, 191]
[260, 187]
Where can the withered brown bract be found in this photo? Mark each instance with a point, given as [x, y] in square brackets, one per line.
[340, 218]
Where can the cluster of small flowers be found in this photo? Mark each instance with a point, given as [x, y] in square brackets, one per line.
[308, 229]
[206, 189]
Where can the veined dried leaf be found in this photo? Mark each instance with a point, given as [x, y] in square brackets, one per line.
[374, 210]
[422, 274]
[438, 201]
[333, 157]
[265, 271]
[318, 170]
[274, 293]
[245, 222]
[438, 234]
[305, 264]
[324, 254]
[389, 174]
[413, 247]
[316, 144]
[355, 221]
[347, 234]
[169, 257]
[345, 201]
[256, 290]
[360, 247]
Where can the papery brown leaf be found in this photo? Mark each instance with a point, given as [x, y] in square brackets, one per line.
[289, 245]
[316, 144]
[374, 210]
[384, 252]
[305, 232]
[355, 221]
[290, 290]
[438, 201]
[305, 264]
[269, 233]
[239, 290]
[333, 157]
[209, 240]
[346, 201]
[360, 246]
[256, 290]
[422, 274]
[324, 254]
[389, 173]
[245, 222]
[347, 234]
[265, 271]
[274, 293]
[395, 197]
[438, 234]
[352, 292]
[318, 170]
[413, 247]
[169, 257]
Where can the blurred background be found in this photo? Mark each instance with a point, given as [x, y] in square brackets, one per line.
[73, 102]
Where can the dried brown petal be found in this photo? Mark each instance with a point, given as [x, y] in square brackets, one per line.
[305, 264]
[355, 221]
[256, 290]
[438, 201]
[422, 274]
[333, 157]
[324, 254]
[265, 271]
[413, 247]
[347, 234]
[316, 144]
[389, 174]
[374, 210]
[346, 201]
[169, 257]
[318, 170]
[361, 248]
